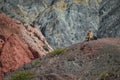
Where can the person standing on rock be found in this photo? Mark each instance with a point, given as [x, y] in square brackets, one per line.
[89, 36]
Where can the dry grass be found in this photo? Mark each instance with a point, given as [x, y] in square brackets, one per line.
[103, 75]
[57, 52]
[61, 5]
[25, 75]
[79, 1]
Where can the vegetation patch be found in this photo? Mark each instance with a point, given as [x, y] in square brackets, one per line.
[57, 52]
[103, 75]
[24, 75]
[36, 63]
[78, 1]
[61, 5]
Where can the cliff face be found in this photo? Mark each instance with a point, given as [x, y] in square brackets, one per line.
[62, 22]
[13, 55]
[19, 44]
[109, 18]
[65, 22]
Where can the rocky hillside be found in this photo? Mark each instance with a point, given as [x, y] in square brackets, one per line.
[94, 60]
[62, 22]
[109, 19]
[19, 44]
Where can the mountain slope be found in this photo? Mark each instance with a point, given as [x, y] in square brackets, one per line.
[62, 22]
[94, 60]
[19, 44]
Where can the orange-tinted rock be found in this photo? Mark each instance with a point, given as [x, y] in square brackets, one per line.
[19, 44]
[14, 54]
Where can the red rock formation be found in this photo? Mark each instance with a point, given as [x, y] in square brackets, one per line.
[14, 54]
[19, 44]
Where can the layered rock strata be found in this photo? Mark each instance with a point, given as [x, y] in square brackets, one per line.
[62, 22]
[19, 44]
[109, 18]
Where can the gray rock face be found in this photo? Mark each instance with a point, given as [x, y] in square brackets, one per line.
[24, 10]
[63, 28]
[63, 22]
[109, 19]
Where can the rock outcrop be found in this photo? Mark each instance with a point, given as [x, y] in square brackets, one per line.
[94, 60]
[19, 44]
[109, 18]
[65, 22]
[62, 22]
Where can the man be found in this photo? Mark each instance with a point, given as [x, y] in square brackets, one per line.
[89, 36]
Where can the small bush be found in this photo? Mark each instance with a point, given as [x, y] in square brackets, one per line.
[36, 62]
[24, 75]
[57, 52]
[103, 75]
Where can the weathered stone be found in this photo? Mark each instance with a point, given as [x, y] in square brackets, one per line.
[65, 22]
[63, 28]
[109, 19]
[62, 22]
[19, 44]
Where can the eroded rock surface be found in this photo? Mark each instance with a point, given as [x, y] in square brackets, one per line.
[65, 22]
[19, 44]
[62, 22]
[109, 18]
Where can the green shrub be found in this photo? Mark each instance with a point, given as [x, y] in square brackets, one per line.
[103, 75]
[36, 62]
[24, 75]
[57, 52]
